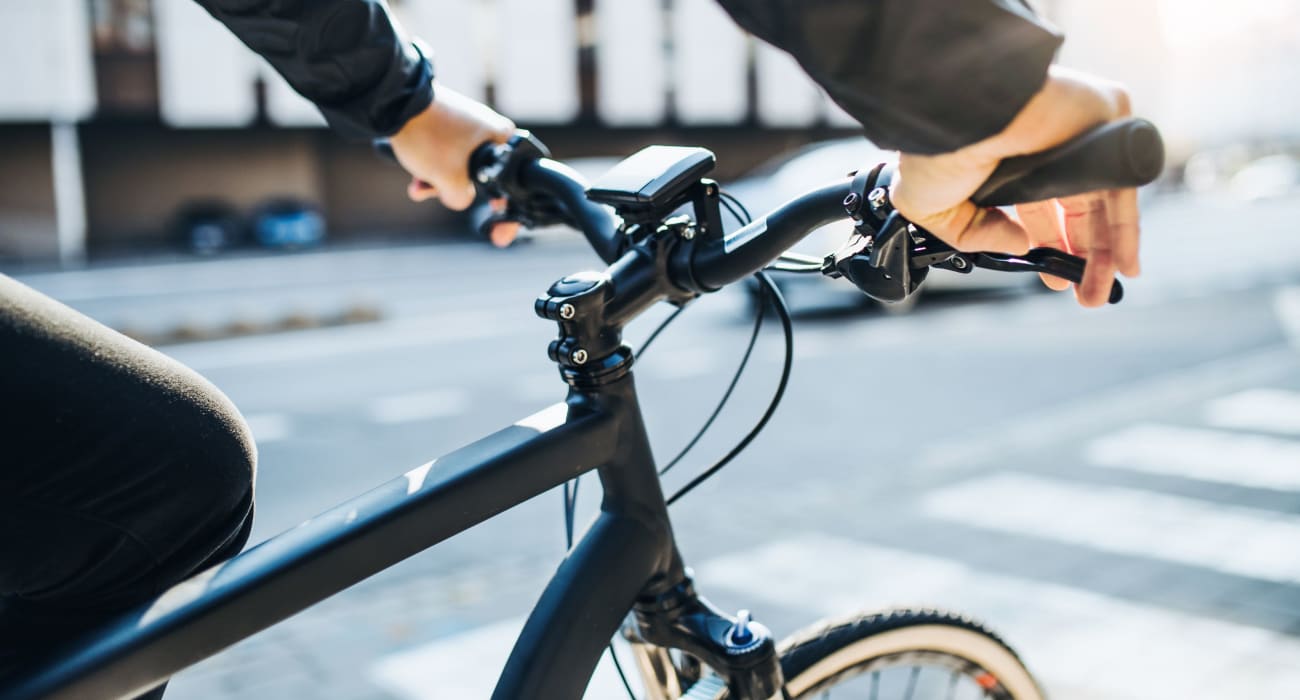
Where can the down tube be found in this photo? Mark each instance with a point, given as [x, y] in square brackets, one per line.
[290, 572]
[627, 552]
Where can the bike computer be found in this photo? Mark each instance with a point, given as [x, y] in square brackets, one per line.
[655, 179]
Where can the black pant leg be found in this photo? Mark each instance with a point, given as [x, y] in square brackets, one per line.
[122, 472]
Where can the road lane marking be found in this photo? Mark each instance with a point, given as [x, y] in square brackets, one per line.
[1082, 645]
[1264, 410]
[1286, 304]
[539, 387]
[683, 363]
[269, 427]
[425, 405]
[1230, 539]
[1224, 457]
[467, 665]
[1132, 402]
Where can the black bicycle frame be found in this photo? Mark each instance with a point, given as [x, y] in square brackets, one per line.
[629, 551]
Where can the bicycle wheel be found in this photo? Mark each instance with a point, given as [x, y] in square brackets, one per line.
[904, 655]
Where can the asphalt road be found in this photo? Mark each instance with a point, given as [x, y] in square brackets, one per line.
[1117, 491]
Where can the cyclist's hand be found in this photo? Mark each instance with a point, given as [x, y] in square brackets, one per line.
[934, 191]
[435, 146]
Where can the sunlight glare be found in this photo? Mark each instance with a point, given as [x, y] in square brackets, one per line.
[1198, 22]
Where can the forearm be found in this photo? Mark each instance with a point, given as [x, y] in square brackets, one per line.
[923, 76]
[349, 57]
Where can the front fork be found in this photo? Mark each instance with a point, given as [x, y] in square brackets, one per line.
[741, 652]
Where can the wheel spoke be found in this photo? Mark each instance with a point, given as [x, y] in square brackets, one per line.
[952, 684]
[875, 685]
[911, 682]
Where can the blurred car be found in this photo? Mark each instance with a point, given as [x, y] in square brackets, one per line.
[207, 227]
[1269, 177]
[288, 223]
[791, 175]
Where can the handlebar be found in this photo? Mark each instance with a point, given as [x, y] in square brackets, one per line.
[557, 180]
[542, 191]
[1126, 153]
[718, 263]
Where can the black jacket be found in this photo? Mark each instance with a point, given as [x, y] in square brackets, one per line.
[924, 76]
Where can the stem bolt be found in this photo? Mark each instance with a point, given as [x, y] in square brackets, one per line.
[567, 311]
[740, 633]
[579, 357]
[851, 203]
[959, 262]
[877, 198]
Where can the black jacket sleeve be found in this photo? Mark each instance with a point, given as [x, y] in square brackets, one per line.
[922, 76]
[347, 56]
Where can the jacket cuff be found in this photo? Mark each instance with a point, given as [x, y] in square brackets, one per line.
[404, 92]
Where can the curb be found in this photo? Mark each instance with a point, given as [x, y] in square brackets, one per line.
[189, 331]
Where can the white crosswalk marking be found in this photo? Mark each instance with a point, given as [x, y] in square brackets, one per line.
[467, 666]
[539, 387]
[1083, 646]
[425, 405]
[1266, 410]
[1232, 539]
[1198, 453]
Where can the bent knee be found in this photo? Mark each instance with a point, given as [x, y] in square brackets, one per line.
[210, 478]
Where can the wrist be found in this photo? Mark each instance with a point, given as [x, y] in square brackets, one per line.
[1069, 103]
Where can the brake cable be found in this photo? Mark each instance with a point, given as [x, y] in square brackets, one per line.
[770, 293]
[794, 262]
[726, 395]
[773, 295]
[727, 200]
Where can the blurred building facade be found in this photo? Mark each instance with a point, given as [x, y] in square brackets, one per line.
[115, 113]
[137, 107]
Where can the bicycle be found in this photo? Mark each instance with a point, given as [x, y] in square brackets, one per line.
[625, 574]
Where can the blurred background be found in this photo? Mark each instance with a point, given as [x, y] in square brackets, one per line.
[1118, 491]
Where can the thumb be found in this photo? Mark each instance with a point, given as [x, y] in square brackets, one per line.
[969, 228]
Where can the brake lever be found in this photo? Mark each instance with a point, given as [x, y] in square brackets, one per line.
[930, 251]
[1047, 261]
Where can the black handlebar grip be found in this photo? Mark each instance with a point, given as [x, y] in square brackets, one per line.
[483, 157]
[1126, 153]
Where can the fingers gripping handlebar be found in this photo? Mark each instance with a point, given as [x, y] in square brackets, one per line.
[540, 191]
[888, 260]
[1126, 153]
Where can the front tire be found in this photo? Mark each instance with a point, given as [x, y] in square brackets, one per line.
[901, 654]
[907, 655]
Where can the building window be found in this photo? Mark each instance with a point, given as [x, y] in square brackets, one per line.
[126, 74]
